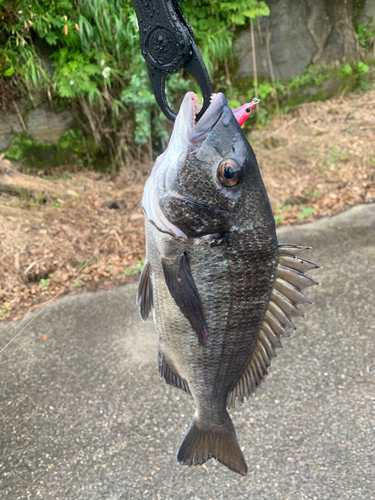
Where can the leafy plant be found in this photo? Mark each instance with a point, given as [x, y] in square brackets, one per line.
[362, 67]
[365, 32]
[95, 64]
[264, 90]
[315, 75]
[305, 212]
[279, 218]
[213, 23]
[40, 154]
[135, 269]
[363, 83]
[76, 283]
[44, 283]
[346, 70]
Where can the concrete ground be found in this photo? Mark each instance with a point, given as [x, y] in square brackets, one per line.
[84, 414]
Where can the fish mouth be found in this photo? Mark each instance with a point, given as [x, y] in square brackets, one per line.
[190, 107]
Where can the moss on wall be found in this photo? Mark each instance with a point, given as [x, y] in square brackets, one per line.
[72, 149]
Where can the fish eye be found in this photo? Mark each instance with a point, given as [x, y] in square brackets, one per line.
[229, 172]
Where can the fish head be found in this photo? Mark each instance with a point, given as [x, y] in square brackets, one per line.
[208, 179]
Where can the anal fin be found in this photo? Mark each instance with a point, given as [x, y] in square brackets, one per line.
[170, 375]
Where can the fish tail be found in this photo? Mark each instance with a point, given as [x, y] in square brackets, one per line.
[204, 441]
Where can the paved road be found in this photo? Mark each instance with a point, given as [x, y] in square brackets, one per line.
[84, 414]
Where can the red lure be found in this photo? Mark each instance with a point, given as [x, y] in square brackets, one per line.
[243, 112]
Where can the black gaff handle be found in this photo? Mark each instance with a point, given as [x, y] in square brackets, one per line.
[167, 45]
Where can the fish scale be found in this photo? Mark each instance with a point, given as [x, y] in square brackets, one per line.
[222, 290]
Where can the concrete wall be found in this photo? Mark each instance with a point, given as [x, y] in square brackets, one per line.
[302, 32]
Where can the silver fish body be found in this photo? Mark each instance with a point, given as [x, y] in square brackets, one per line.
[210, 275]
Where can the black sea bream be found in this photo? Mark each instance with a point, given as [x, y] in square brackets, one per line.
[221, 288]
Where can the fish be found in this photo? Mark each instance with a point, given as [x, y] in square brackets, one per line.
[221, 288]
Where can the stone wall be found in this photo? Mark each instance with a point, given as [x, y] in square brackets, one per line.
[299, 33]
[367, 13]
[42, 124]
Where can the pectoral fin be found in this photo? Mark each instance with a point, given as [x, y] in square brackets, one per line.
[182, 287]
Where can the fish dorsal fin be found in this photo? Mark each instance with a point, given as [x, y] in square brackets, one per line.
[286, 294]
[183, 289]
[144, 293]
[170, 375]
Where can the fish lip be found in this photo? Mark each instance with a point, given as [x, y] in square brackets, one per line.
[190, 107]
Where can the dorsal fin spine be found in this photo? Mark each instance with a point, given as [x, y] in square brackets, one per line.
[286, 294]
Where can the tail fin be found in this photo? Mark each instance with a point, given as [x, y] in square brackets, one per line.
[204, 441]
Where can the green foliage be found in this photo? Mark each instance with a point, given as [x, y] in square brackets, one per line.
[264, 90]
[314, 75]
[76, 283]
[95, 62]
[306, 87]
[214, 21]
[362, 67]
[75, 76]
[22, 147]
[139, 95]
[16, 148]
[73, 140]
[363, 84]
[346, 70]
[365, 32]
[72, 148]
[44, 283]
[279, 218]
[135, 269]
[305, 212]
